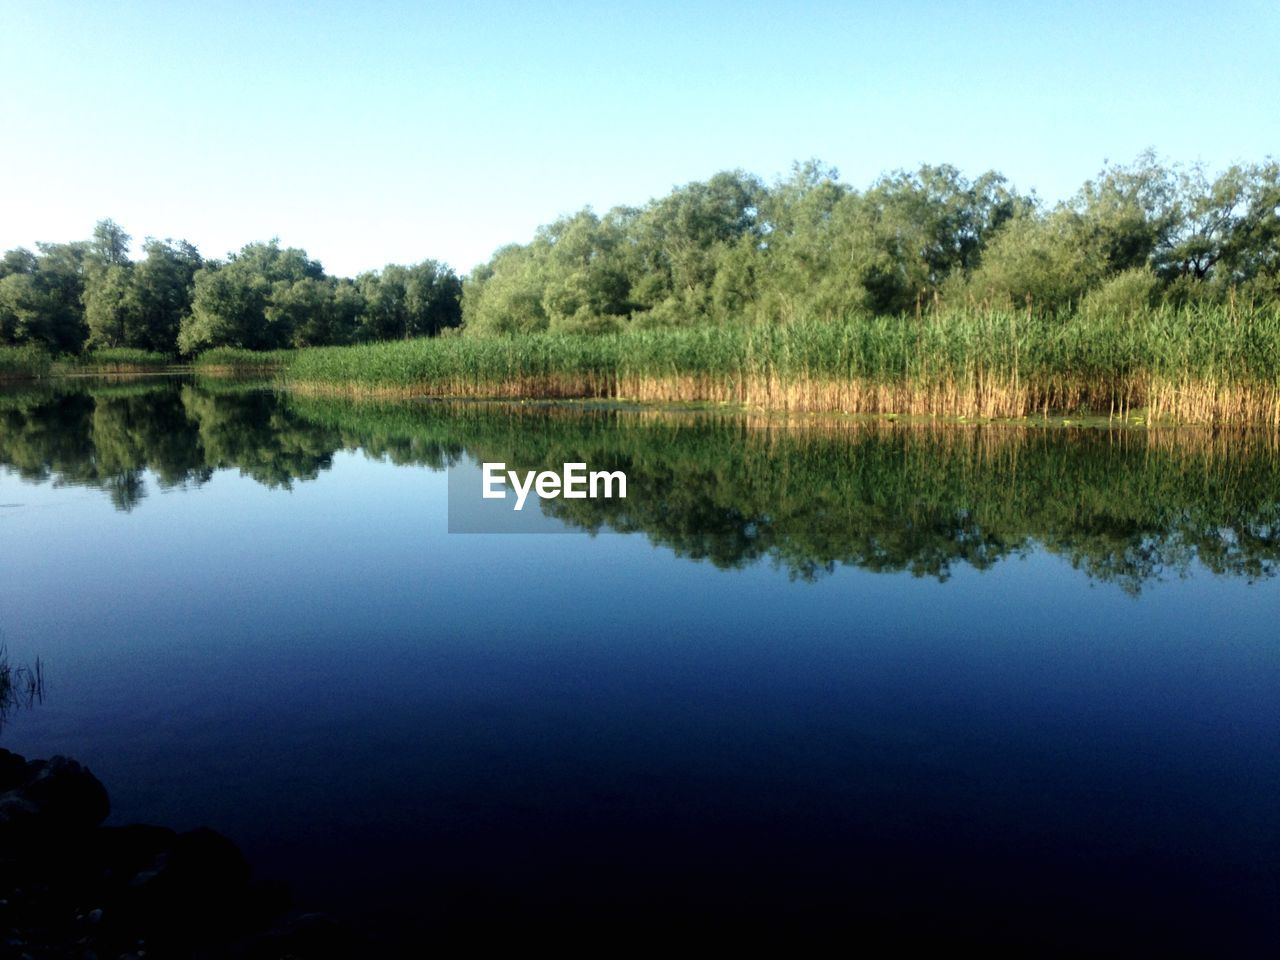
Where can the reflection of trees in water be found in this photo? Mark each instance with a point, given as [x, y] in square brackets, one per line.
[257, 433]
[108, 436]
[1122, 506]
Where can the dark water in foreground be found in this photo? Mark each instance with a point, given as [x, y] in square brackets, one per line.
[1007, 686]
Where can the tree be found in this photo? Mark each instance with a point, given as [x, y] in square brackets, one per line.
[164, 284]
[111, 309]
[348, 305]
[1127, 214]
[109, 245]
[304, 308]
[944, 219]
[505, 295]
[17, 260]
[229, 306]
[678, 239]
[40, 297]
[1036, 260]
[386, 313]
[432, 298]
[15, 263]
[1230, 223]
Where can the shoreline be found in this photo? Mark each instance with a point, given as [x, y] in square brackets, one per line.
[1145, 402]
[74, 885]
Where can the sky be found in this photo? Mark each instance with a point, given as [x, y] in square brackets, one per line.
[395, 132]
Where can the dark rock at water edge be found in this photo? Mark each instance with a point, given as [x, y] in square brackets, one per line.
[70, 887]
[47, 801]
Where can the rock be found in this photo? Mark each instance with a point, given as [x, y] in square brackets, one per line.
[67, 792]
[197, 887]
[70, 887]
[53, 798]
[312, 936]
[13, 770]
[208, 860]
[124, 852]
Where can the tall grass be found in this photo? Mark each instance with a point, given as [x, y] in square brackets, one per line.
[29, 362]
[114, 360]
[236, 360]
[1214, 365]
[24, 363]
[20, 686]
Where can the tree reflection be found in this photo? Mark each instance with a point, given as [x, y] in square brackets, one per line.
[1123, 506]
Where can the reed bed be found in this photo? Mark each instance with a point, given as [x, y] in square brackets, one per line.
[235, 361]
[115, 360]
[1212, 365]
[24, 363]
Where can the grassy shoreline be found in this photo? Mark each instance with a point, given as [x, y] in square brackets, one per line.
[1213, 365]
[33, 363]
[1216, 366]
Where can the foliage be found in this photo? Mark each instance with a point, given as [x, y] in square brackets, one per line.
[237, 359]
[113, 359]
[25, 362]
[728, 251]
[1123, 296]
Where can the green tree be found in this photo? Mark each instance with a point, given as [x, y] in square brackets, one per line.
[1228, 224]
[40, 302]
[386, 313]
[229, 306]
[1036, 260]
[308, 309]
[163, 287]
[432, 299]
[16, 263]
[109, 245]
[1126, 214]
[111, 309]
[679, 240]
[505, 295]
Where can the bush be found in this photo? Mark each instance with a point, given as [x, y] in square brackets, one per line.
[25, 362]
[1127, 293]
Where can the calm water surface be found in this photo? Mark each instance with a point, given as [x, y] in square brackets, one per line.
[1013, 686]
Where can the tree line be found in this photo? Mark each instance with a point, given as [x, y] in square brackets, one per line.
[732, 249]
[810, 247]
[70, 297]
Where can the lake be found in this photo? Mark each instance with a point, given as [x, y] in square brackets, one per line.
[1011, 685]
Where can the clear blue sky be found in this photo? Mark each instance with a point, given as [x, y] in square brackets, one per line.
[379, 132]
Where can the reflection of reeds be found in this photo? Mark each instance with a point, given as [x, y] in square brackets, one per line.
[988, 395]
[1186, 401]
[20, 686]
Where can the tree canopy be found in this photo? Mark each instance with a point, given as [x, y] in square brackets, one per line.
[731, 249]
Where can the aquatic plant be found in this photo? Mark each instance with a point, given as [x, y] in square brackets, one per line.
[115, 360]
[24, 362]
[20, 686]
[235, 360]
[1192, 364]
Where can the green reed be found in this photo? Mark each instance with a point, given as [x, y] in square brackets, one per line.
[1202, 364]
[24, 363]
[114, 360]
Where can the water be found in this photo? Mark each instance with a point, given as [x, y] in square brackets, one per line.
[1007, 686]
